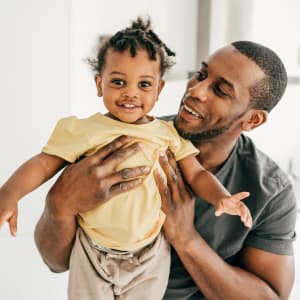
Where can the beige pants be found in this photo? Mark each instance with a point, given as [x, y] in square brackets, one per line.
[99, 275]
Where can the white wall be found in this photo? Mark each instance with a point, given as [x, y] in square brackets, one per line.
[34, 92]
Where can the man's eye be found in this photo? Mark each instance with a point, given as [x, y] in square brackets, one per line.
[201, 75]
[145, 84]
[118, 82]
[219, 91]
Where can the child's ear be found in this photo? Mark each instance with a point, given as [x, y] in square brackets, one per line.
[98, 81]
[161, 85]
[254, 118]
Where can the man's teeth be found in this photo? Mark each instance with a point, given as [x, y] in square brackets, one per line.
[191, 111]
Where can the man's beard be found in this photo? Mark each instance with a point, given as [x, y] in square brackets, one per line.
[197, 138]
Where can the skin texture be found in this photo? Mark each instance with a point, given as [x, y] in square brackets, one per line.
[219, 95]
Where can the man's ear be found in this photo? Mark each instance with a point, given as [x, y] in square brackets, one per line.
[98, 81]
[161, 85]
[254, 118]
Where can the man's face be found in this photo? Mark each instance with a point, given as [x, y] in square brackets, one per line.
[217, 96]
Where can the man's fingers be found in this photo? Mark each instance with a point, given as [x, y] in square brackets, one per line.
[110, 148]
[124, 186]
[127, 174]
[118, 156]
[174, 179]
[164, 191]
[131, 173]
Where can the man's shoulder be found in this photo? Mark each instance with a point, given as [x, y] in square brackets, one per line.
[259, 164]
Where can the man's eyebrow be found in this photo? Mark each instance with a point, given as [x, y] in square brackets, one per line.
[222, 79]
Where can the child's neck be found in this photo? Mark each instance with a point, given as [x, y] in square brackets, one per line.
[143, 120]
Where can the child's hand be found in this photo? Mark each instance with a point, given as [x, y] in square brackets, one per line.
[234, 206]
[9, 213]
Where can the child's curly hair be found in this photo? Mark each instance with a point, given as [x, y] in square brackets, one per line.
[138, 36]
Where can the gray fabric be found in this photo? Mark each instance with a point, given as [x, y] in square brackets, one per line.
[272, 204]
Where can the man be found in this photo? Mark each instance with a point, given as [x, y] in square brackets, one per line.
[233, 92]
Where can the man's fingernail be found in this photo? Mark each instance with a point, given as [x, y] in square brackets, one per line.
[146, 169]
[159, 173]
[161, 153]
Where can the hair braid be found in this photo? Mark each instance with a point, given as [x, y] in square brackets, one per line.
[138, 36]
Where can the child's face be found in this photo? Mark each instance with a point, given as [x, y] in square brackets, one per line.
[129, 85]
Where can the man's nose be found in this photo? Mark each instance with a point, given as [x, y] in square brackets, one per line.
[199, 91]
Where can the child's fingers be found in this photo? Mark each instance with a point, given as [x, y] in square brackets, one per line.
[245, 215]
[240, 196]
[13, 222]
[219, 211]
[4, 217]
[248, 221]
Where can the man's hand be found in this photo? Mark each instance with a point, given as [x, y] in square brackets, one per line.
[177, 202]
[94, 180]
[81, 187]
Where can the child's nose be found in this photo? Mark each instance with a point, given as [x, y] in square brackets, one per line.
[130, 92]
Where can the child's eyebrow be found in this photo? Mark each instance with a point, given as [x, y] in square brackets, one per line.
[124, 74]
[147, 76]
[117, 73]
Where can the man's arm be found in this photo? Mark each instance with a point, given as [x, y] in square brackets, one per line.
[260, 275]
[80, 188]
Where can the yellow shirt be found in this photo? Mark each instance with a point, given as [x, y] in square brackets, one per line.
[132, 219]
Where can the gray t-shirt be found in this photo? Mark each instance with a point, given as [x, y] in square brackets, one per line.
[272, 204]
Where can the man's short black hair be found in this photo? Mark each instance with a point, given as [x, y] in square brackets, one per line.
[266, 93]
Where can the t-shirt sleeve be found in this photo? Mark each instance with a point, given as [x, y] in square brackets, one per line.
[275, 227]
[68, 140]
[181, 147]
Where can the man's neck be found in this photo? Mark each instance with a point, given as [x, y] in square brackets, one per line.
[214, 153]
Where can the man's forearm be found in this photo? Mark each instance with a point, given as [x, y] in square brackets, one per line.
[218, 280]
[54, 238]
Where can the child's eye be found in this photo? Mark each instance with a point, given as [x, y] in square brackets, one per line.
[118, 82]
[145, 84]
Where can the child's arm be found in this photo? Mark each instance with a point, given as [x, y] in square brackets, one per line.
[209, 188]
[25, 179]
